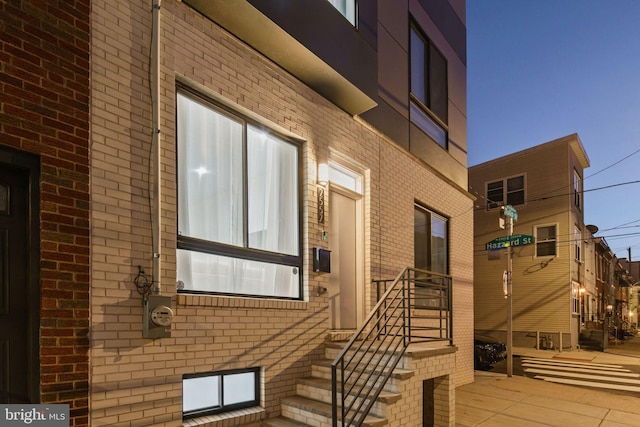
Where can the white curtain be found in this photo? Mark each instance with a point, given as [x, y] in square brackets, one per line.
[211, 197]
[347, 8]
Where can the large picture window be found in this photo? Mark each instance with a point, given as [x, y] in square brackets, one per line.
[238, 204]
[429, 92]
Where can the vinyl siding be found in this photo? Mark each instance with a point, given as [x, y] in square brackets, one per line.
[541, 285]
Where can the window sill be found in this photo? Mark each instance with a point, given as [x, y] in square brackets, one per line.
[232, 418]
[238, 302]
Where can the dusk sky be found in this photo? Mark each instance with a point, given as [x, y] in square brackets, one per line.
[540, 70]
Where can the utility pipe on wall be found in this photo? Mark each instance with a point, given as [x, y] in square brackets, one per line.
[155, 144]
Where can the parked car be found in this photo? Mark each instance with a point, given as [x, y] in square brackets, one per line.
[487, 351]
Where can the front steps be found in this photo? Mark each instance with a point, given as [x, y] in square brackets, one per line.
[311, 406]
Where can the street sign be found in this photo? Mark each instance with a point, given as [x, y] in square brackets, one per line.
[511, 212]
[513, 240]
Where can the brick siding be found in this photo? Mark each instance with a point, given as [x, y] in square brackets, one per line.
[44, 89]
[138, 381]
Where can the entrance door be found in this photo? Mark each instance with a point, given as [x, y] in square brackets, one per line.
[347, 247]
[18, 314]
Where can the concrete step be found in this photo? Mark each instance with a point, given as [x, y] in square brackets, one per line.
[316, 413]
[283, 422]
[322, 369]
[320, 389]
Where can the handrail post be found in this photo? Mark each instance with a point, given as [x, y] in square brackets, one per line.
[406, 301]
[450, 306]
[334, 397]
[367, 361]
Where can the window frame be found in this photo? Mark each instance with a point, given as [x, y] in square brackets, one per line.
[222, 408]
[539, 241]
[496, 204]
[431, 295]
[354, 23]
[577, 190]
[244, 252]
[577, 237]
[424, 109]
[575, 298]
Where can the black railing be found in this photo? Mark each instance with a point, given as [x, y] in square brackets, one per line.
[415, 307]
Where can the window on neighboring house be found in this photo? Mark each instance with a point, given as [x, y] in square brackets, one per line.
[215, 392]
[429, 92]
[238, 204]
[575, 298]
[348, 9]
[430, 254]
[508, 191]
[546, 240]
[577, 189]
[577, 237]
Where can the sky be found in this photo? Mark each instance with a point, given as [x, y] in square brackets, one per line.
[538, 70]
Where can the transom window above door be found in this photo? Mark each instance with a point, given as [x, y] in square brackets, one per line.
[345, 177]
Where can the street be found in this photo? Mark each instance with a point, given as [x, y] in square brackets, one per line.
[567, 368]
[614, 378]
[552, 388]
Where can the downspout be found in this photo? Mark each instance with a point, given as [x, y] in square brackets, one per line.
[155, 144]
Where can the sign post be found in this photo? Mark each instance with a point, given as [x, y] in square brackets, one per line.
[509, 299]
[510, 215]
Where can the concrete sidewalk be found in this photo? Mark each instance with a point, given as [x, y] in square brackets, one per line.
[498, 400]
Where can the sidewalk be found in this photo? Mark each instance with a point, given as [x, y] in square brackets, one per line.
[497, 400]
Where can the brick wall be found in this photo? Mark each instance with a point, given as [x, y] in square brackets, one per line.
[138, 381]
[44, 89]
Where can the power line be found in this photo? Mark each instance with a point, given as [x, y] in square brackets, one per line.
[612, 165]
[538, 199]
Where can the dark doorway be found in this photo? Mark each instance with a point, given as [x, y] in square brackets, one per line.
[428, 403]
[19, 266]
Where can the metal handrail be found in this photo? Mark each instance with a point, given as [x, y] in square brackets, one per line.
[365, 364]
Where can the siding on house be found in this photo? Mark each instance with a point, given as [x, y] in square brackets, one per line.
[541, 285]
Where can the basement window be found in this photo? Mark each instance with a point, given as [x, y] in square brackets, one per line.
[222, 391]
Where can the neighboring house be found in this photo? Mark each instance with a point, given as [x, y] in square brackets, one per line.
[173, 175]
[623, 281]
[544, 185]
[600, 265]
[44, 204]
[633, 267]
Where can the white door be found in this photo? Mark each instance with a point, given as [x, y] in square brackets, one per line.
[346, 290]
[342, 279]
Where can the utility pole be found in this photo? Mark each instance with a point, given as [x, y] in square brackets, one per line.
[507, 216]
[509, 225]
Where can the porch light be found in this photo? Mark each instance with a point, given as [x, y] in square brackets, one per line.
[323, 174]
